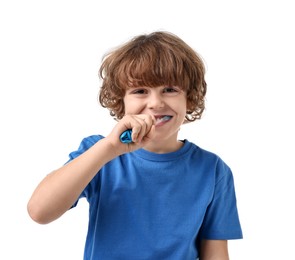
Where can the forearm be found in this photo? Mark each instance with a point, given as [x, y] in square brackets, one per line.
[60, 189]
[214, 250]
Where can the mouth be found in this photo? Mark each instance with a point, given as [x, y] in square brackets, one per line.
[162, 119]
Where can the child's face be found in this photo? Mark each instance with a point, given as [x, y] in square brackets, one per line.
[159, 102]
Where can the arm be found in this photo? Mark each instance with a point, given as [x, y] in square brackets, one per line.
[214, 250]
[59, 190]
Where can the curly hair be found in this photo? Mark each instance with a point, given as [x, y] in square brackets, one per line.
[156, 59]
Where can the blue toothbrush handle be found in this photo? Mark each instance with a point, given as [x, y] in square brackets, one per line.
[125, 137]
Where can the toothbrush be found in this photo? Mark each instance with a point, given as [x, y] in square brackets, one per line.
[126, 136]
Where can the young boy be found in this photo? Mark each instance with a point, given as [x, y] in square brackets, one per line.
[156, 197]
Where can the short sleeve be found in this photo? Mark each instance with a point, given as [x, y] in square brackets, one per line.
[85, 144]
[221, 220]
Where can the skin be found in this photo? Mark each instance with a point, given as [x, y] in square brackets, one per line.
[159, 102]
[58, 191]
[214, 250]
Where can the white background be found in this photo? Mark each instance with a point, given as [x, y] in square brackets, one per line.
[49, 57]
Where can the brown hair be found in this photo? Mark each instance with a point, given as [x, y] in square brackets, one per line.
[156, 59]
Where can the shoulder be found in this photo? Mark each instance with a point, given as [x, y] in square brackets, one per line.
[210, 160]
[85, 144]
[203, 154]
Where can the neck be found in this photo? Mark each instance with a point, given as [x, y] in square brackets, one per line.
[166, 147]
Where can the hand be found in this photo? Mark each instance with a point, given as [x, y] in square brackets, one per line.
[142, 127]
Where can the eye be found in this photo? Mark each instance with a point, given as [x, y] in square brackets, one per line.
[139, 91]
[171, 90]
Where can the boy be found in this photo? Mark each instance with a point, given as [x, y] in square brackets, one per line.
[156, 197]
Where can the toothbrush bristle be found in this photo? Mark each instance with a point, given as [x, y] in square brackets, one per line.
[165, 118]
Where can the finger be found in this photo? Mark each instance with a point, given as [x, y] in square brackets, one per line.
[150, 120]
[140, 124]
[139, 129]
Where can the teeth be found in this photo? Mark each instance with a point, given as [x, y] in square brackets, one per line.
[162, 119]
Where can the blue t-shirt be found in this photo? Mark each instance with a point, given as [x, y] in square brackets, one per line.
[144, 205]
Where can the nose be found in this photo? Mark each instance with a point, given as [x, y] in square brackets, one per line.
[155, 100]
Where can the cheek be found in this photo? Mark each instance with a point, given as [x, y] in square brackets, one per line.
[132, 106]
[184, 104]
